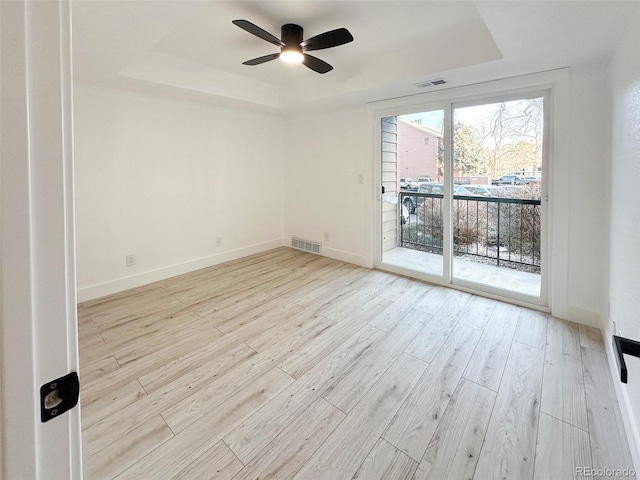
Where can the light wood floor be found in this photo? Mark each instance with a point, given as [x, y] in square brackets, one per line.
[291, 365]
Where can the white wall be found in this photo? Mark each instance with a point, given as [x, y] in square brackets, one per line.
[327, 150]
[624, 273]
[588, 192]
[162, 179]
[325, 153]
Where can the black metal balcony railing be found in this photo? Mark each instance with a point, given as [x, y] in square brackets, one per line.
[496, 230]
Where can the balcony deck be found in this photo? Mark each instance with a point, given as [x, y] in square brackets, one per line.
[498, 277]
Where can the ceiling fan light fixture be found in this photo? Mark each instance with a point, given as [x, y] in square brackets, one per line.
[292, 47]
[291, 56]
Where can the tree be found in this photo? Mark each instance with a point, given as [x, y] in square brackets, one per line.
[523, 155]
[469, 155]
[503, 129]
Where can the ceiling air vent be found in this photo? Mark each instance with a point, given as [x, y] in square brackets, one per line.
[431, 83]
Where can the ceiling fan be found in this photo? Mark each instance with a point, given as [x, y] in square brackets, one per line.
[293, 49]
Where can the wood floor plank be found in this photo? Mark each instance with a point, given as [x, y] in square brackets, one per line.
[454, 449]
[116, 311]
[264, 340]
[228, 320]
[102, 407]
[305, 290]
[386, 462]
[289, 451]
[347, 390]
[133, 446]
[255, 433]
[413, 426]
[435, 297]
[90, 342]
[96, 370]
[532, 328]
[348, 305]
[218, 356]
[316, 298]
[490, 357]
[392, 314]
[176, 454]
[194, 332]
[563, 335]
[439, 327]
[221, 304]
[205, 287]
[609, 448]
[347, 447]
[185, 412]
[86, 327]
[148, 360]
[217, 462]
[561, 451]
[111, 428]
[126, 300]
[563, 394]
[146, 327]
[591, 337]
[510, 445]
[403, 287]
[478, 312]
[300, 362]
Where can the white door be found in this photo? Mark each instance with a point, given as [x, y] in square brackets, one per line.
[39, 336]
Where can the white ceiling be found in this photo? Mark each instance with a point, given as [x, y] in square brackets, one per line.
[191, 50]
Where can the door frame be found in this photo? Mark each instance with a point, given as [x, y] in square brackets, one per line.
[39, 324]
[555, 86]
[544, 204]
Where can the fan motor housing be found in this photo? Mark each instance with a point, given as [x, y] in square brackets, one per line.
[291, 35]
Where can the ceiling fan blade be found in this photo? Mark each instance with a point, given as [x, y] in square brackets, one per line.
[336, 37]
[316, 64]
[258, 32]
[259, 60]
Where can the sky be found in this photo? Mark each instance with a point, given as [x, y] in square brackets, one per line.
[467, 115]
[434, 119]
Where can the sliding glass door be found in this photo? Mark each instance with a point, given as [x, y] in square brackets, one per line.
[412, 222]
[464, 189]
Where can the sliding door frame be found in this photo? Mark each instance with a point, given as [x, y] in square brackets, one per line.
[448, 104]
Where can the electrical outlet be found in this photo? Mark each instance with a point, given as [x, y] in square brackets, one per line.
[218, 241]
[326, 236]
[130, 260]
[360, 179]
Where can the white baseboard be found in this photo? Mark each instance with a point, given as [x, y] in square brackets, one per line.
[91, 292]
[630, 426]
[346, 257]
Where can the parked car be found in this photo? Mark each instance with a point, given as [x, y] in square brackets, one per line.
[413, 202]
[425, 179]
[532, 180]
[509, 180]
[484, 190]
[408, 184]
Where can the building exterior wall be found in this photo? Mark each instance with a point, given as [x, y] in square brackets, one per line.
[391, 183]
[417, 152]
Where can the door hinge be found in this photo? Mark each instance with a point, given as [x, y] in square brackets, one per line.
[58, 396]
